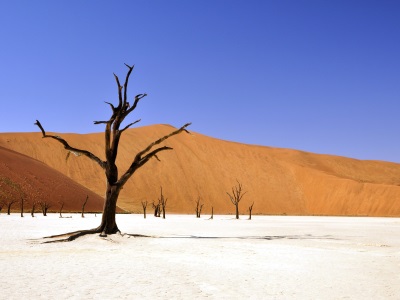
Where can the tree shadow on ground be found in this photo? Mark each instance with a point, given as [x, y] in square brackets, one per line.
[64, 237]
[266, 237]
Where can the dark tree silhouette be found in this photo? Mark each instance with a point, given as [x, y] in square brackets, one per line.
[44, 205]
[163, 203]
[156, 209]
[198, 207]
[83, 206]
[9, 204]
[21, 202]
[250, 210]
[236, 196]
[1, 205]
[61, 207]
[34, 203]
[144, 205]
[212, 212]
[112, 135]
[10, 190]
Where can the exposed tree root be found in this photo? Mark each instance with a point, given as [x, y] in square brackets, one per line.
[71, 236]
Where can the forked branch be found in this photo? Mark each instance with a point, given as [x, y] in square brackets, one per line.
[141, 158]
[72, 149]
[160, 140]
[237, 193]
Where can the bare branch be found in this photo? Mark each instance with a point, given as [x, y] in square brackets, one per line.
[140, 160]
[231, 198]
[119, 91]
[69, 148]
[41, 127]
[100, 122]
[112, 106]
[148, 148]
[138, 163]
[153, 154]
[137, 99]
[126, 82]
[129, 125]
[112, 152]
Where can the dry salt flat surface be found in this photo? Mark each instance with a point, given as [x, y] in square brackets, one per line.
[182, 257]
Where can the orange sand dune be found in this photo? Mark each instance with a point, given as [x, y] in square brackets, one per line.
[279, 181]
[22, 176]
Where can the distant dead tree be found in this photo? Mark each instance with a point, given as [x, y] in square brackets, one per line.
[9, 190]
[212, 212]
[34, 203]
[156, 209]
[144, 205]
[61, 207]
[9, 204]
[112, 135]
[198, 207]
[236, 196]
[44, 205]
[1, 205]
[163, 203]
[83, 206]
[22, 201]
[250, 209]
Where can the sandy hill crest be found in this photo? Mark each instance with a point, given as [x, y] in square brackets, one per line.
[279, 181]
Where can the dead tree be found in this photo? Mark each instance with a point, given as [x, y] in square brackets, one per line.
[9, 204]
[1, 205]
[22, 206]
[156, 209]
[236, 196]
[44, 205]
[250, 209]
[199, 207]
[83, 206]
[33, 208]
[144, 205]
[61, 207]
[212, 212]
[159, 209]
[112, 135]
[163, 203]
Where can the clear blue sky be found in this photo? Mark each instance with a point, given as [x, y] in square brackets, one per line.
[319, 76]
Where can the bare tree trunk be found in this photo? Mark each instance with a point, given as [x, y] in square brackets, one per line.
[33, 209]
[83, 206]
[212, 212]
[156, 209]
[250, 209]
[22, 207]
[237, 210]
[108, 224]
[45, 206]
[1, 205]
[163, 203]
[144, 205]
[9, 204]
[62, 205]
[199, 207]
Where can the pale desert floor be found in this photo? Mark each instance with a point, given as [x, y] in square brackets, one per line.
[187, 258]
